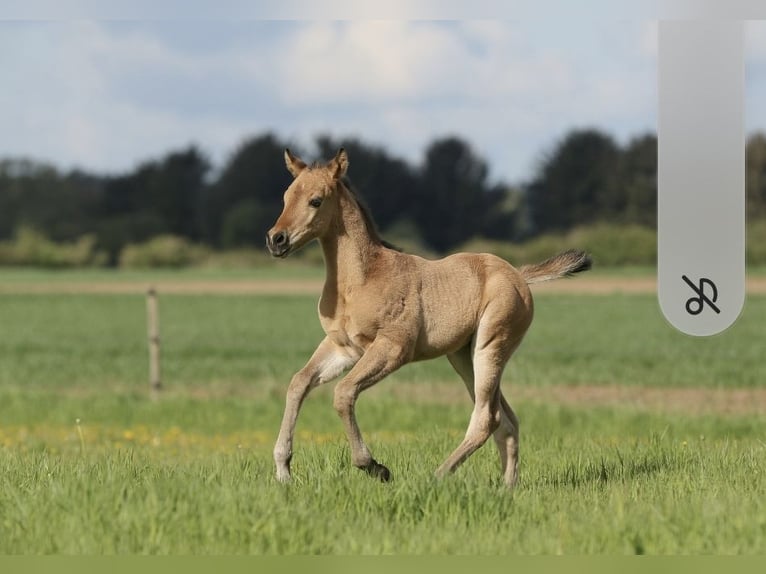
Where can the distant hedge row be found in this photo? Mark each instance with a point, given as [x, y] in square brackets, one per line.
[31, 248]
[610, 245]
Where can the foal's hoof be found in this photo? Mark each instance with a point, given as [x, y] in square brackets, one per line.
[283, 470]
[377, 470]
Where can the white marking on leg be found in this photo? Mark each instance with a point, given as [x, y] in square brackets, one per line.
[327, 362]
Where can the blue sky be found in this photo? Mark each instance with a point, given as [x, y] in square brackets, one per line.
[106, 95]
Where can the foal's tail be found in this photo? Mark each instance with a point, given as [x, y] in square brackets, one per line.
[561, 265]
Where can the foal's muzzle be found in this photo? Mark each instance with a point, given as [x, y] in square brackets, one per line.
[278, 243]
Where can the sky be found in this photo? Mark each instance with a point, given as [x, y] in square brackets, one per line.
[106, 95]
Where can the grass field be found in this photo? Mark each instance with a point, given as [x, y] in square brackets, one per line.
[90, 463]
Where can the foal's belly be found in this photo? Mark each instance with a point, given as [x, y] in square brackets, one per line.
[444, 333]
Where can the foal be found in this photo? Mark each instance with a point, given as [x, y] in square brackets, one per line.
[381, 309]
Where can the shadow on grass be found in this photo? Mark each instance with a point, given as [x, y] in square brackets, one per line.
[580, 473]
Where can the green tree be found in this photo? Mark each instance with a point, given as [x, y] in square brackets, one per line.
[129, 214]
[576, 183]
[170, 189]
[256, 175]
[238, 230]
[637, 183]
[387, 184]
[37, 196]
[175, 191]
[505, 217]
[455, 197]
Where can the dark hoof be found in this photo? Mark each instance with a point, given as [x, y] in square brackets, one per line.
[377, 470]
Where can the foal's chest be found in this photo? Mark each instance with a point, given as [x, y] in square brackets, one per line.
[347, 323]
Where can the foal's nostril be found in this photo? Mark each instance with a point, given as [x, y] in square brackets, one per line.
[279, 239]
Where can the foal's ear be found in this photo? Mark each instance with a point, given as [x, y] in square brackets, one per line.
[294, 164]
[339, 164]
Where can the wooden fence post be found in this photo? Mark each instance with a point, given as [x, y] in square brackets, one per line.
[153, 329]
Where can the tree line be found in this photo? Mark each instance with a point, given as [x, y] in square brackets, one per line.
[445, 200]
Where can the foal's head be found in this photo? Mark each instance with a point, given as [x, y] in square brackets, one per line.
[310, 203]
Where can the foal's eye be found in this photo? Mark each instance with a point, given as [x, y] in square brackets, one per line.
[315, 201]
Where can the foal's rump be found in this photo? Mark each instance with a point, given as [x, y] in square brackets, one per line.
[455, 293]
[460, 291]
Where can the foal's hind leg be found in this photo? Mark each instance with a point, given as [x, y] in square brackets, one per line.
[507, 441]
[499, 332]
[485, 418]
[507, 434]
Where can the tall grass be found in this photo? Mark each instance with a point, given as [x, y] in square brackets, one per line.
[65, 341]
[649, 485]
[89, 463]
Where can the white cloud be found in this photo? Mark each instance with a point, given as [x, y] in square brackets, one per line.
[379, 61]
[393, 61]
[64, 105]
[104, 96]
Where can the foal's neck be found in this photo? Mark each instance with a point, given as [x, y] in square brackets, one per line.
[349, 246]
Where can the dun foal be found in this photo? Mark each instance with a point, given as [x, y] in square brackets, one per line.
[381, 309]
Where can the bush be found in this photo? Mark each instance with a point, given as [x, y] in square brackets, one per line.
[163, 251]
[404, 235]
[241, 258]
[614, 245]
[610, 245]
[245, 224]
[31, 248]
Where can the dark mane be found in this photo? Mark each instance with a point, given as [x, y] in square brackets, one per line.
[369, 222]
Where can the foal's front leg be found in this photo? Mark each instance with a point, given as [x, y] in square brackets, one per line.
[381, 358]
[327, 362]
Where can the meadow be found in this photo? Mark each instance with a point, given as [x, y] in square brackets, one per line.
[91, 462]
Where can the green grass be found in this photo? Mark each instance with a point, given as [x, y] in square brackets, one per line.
[191, 471]
[267, 270]
[92, 341]
[280, 270]
[591, 483]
